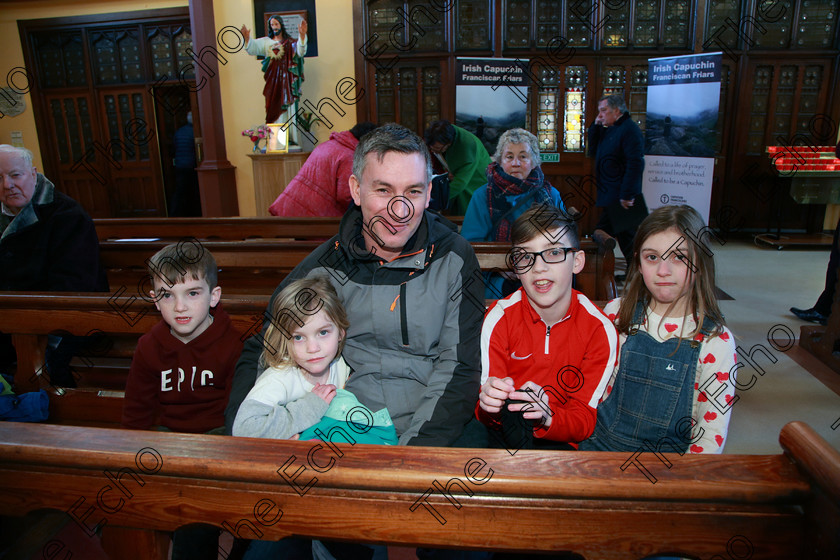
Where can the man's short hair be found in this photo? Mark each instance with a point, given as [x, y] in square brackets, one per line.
[543, 219]
[22, 152]
[517, 136]
[440, 131]
[615, 101]
[390, 137]
[173, 263]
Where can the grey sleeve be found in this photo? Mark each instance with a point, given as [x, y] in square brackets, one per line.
[256, 419]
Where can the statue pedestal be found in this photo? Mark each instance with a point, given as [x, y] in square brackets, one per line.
[272, 172]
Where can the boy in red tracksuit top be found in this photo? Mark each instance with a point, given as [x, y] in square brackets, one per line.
[547, 352]
[183, 367]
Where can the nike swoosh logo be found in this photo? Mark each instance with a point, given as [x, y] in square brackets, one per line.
[515, 357]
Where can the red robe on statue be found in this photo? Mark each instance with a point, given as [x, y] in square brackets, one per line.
[280, 75]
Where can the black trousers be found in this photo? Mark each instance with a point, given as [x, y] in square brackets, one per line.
[624, 238]
[827, 296]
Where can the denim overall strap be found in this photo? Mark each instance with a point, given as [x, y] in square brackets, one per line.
[652, 395]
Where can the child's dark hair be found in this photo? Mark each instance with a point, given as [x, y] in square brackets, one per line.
[700, 282]
[291, 309]
[543, 219]
[173, 263]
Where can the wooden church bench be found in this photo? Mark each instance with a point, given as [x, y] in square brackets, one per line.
[135, 486]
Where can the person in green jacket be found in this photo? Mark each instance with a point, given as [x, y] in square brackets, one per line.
[463, 155]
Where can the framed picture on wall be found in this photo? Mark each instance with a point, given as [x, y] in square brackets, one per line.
[291, 12]
[291, 21]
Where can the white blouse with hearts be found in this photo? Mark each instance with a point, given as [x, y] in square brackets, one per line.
[714, 382]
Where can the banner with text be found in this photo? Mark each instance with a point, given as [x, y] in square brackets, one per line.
[491, 95]
[681, 130]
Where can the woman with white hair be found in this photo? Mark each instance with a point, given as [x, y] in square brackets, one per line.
[515, 182]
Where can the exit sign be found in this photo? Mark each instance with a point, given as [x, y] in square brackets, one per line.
[550, 158]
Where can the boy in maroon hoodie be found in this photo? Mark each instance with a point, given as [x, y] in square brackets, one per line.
[182, 369]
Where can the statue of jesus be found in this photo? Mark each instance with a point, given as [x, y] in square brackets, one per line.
[282, 67]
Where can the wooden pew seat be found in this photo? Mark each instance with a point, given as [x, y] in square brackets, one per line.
[594, 504]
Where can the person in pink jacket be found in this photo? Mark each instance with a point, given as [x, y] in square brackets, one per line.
[322, 186]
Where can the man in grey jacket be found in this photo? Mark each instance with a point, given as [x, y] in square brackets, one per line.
[413, 293]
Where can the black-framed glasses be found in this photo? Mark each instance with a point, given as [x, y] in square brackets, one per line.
[521, 260]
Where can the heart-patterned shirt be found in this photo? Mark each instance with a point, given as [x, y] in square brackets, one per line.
[714, 381]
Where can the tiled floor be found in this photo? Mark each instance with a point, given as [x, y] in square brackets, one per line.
[765, 283]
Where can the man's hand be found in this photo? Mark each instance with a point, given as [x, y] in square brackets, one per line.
[599, 119]
[303, 27]
[246, 34]
[326, 392]
[494, 392]
[536, 406]
[626, 204]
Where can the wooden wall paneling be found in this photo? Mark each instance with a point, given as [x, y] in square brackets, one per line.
[760, 194]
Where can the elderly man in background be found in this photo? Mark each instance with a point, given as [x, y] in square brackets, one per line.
[47, 242]
[617, 144]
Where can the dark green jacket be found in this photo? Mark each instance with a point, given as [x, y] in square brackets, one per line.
[467, 159]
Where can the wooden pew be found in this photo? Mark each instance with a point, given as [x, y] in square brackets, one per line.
[257, 266]
[102, 370]
[595, 504]
[221, 229]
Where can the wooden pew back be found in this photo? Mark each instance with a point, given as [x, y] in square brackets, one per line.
[589, 503]
[258, 266]
[221, 228]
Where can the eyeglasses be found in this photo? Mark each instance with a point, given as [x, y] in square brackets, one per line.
[521, 260]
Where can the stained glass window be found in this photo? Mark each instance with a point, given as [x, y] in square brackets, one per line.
[547, 109]
[575, 106]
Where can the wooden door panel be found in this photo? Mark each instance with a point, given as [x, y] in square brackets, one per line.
[72, 136]
[131, 153]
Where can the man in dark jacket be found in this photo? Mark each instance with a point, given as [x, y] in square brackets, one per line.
[47, 241]
[616, 143]
[186, 200]
[413, 293]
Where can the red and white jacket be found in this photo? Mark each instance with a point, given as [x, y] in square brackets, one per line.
[572, 359]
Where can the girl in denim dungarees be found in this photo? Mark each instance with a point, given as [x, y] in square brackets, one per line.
[674, 384]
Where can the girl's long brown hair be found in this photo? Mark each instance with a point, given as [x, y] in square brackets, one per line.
[700, 283]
